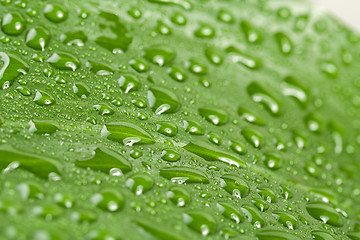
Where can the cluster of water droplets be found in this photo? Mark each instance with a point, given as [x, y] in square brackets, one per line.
[175, 139]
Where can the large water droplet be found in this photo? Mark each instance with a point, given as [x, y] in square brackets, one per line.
[43, 126]
[121, 41]
[13, 23]
[77, 38]
[235, 185]
[159, 55]
[39, 165]
[247, 61]
[179, 196]
[253, 137]
[260, 95]
[211, 153]
[64, 61]
[55, 13]
[162, 100]
[215, 116]
[182, 175]
[127, 133]
[139, 183]
[185, 4]
[43, 98]
[105, 160]
[230, 211]
[325, 213]
[11, 66]
[200, 221]
[109, 199]
[38, 38]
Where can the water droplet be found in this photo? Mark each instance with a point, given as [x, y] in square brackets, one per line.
[200, 221]
[64, 200]
[163, 28]
[285, 192]
[38, 38]
[185, 4]
[272, 161]
[159, 55]
[337, 136]
[81, 90]
[284, 43]
[301, 22]
[121, 41]
[77, 38]
[276, 234]
[11, 66]
[225, 16]
[235, 185]
[325, 213]
[139, 103]
[24, 91]
[135, 13]
[179, 19]
[139, 183]
[43, 98]
[139, 65]
[286, 219]
[251, 34]
[64, 61]
[170, 155]
[167, 128]
[182, 175]
[246, 60]
[101, 235]
[109, 199]
[253, 216]
[215, 57]
[104, 109]
[162, 100]
[55, 13]
[126, 133]
[13, 23]
[205, 31]
[104, 160]
[299, 139]
[260, 95]
[196, 67]
[250, 117]
[261, 204]
[237, 147]
[267, 194]
[47, 211]
[179, 196]
[292, 87]
[43, 126]
[322, 235]
[128, 83]
[39, 165]
[158, 231]
[330, 69]
[31, 190]
[211, 153]
[313, 123]
[230, 211]
[214, 138]
[283, 13]
[215, 116]
[177, 74]
[253, 137]
[83, 216]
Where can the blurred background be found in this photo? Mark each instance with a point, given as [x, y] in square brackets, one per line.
[346, 10]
